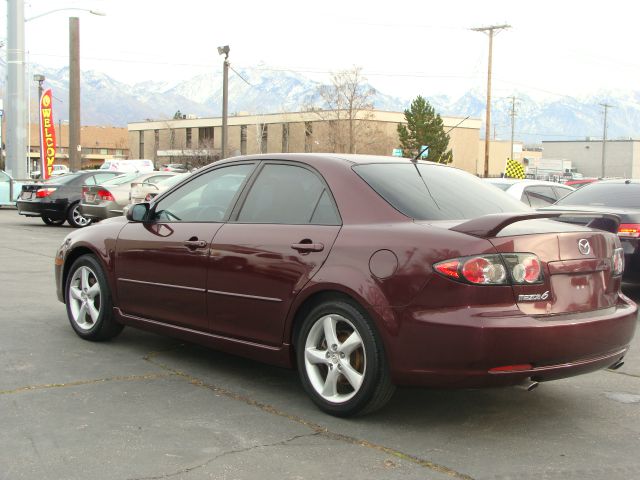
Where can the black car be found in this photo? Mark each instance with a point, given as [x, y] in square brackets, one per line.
[619, 197]
[57, 199]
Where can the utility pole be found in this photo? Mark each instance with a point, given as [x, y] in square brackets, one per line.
[491, 31]
[225, 97]
[513, 121]
[604, 135]
[16, 101]
[75, 158]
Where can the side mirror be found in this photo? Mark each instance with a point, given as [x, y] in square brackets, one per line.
[138, 212]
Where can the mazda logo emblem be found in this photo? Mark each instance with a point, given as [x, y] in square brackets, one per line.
[584, 247]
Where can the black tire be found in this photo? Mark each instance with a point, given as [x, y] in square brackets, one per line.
[103, 326]
[75, 217]
[369, 361]
[50, 221]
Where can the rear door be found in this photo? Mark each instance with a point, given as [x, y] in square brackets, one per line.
[276, 241]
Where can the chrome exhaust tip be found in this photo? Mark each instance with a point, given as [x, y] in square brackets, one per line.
[616, 365]
[528, 385]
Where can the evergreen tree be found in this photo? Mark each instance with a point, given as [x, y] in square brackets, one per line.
[424, 127]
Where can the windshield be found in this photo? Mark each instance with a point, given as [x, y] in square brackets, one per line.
[621, 195]
[435, 192]
[121, 179]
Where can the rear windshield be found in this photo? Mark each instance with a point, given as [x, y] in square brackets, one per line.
[121, 179]
[62, 179]
[435, 192]
[621, 195]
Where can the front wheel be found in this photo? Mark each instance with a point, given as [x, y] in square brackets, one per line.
[75, 217]
[341, 360]
[88, 299]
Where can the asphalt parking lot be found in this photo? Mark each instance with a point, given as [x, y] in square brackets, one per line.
[150, 407]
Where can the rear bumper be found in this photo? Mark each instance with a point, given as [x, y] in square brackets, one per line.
[459, 348]
[53, 210]
[100, 212]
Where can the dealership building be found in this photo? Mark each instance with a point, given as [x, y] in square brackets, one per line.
[175, 140]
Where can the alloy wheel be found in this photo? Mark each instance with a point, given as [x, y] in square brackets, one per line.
[335, 359]
[84, 297]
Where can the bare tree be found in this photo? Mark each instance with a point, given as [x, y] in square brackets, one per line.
[346, 104]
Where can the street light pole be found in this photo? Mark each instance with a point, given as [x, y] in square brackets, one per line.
[75, 159]
[225, 97]
[16, 162]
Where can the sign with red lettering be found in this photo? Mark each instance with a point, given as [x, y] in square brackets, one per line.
[47, 134]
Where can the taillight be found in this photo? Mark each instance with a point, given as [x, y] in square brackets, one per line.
[503, 269]
[45, 192]
[629, 230]
[618, 261]
[105, 195]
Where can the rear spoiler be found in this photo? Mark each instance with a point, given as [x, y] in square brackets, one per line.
[490, 225]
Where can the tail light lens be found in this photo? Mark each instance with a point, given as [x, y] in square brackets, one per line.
[629, 230]
[504, 269]
[618, 261]
[45, 192]
[105, 195]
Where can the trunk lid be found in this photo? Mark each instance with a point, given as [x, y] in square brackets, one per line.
[577, 265]
[90, 194]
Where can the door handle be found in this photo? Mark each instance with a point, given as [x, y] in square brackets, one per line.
[307, 247]
[193, 244]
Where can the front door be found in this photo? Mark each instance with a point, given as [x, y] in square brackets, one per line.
[161, 265]
[274, 243]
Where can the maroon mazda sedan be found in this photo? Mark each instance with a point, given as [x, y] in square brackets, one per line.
[363, 272]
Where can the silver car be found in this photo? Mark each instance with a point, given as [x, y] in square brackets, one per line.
[109, 199]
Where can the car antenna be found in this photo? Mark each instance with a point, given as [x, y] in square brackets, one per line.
[415, 159]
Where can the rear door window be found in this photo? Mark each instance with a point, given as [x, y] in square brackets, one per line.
[289, 195]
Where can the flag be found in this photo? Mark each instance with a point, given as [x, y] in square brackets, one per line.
[47, 134]
[514, 169]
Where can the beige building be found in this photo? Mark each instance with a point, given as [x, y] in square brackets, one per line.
[167, 141]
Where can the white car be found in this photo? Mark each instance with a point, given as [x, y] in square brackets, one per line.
[59, 170]
[535, 193]
[139, 165]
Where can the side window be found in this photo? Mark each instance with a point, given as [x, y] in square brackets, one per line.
[540, 196]
[290, 195]
[525, 198]
[206, 198]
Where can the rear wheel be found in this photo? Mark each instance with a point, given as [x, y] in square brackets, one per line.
[341, 360]
[88, 299]
[75, 217]
[51, 221]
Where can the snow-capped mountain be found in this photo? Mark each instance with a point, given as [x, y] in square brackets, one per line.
[106, 101]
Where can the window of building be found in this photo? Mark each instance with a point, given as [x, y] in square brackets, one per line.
[119, 152]
[205, 136]
[263, 141]
[308, 137]
[243, 139]
[285, 137]
[103, 151]
[141, 145]
[188, 142]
